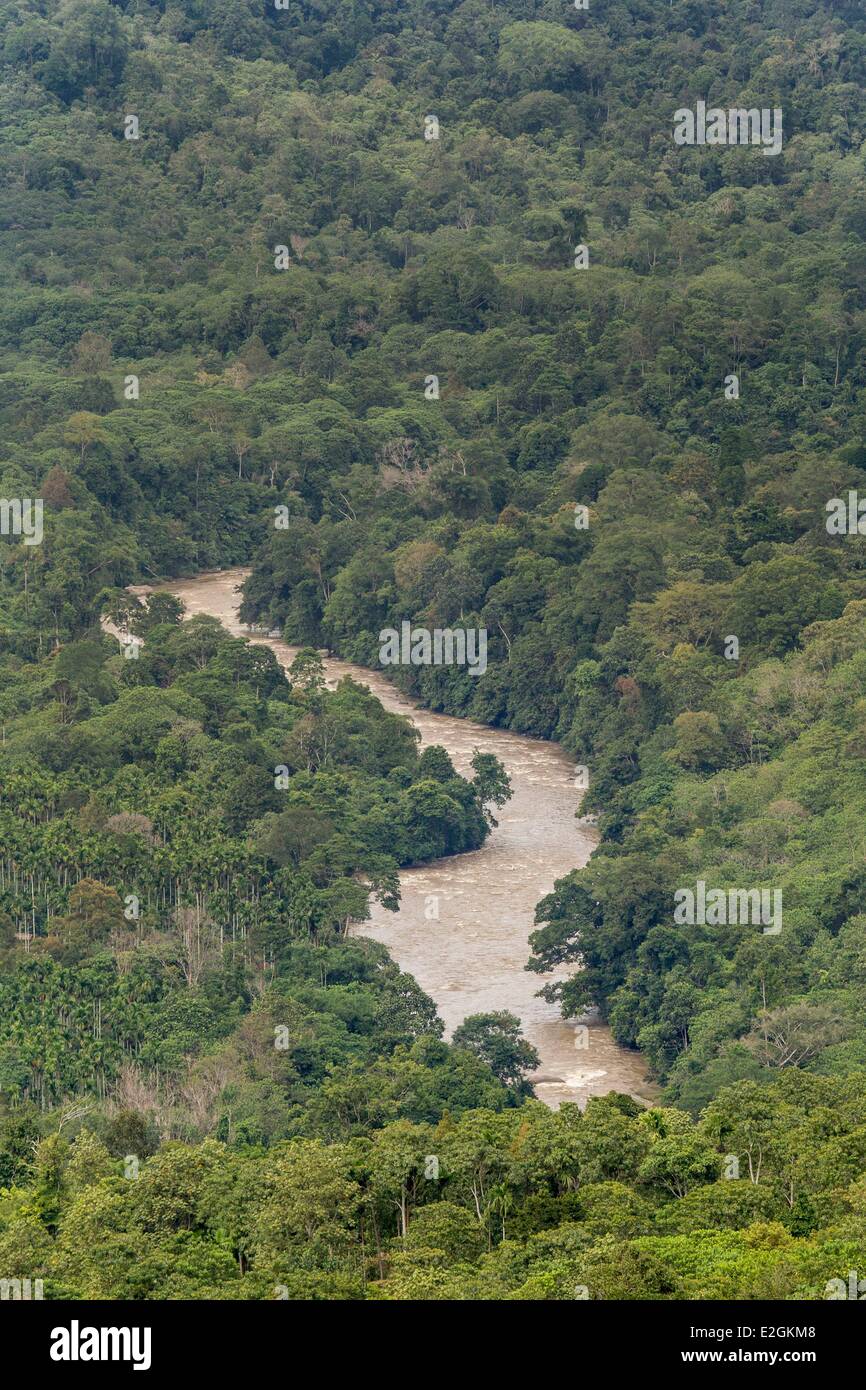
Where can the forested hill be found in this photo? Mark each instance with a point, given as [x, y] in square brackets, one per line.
[421, 310]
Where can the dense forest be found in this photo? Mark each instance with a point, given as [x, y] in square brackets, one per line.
[416, 308]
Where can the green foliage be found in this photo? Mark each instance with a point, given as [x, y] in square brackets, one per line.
[186, 838]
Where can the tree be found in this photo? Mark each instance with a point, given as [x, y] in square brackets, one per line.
[773, 601]
[448, 1231]
[491, 782]
[679, 1163]
[398, 1165]
[92, 354]
[310, 1204]
[55, 490]
[496, 1039]
[539, 55]
[89, 1162]
[94, 911]
[83, 430]
[159, 608]
[700, 744]
[307, 671]
[792, 1034]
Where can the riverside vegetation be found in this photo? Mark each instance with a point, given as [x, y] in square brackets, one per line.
[207, 1090]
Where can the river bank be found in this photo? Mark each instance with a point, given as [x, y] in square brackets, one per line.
[464, 922]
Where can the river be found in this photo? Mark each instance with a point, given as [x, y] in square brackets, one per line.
[470, 959]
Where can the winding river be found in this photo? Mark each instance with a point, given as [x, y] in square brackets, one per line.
[470, 958]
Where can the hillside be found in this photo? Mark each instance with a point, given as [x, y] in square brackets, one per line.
[420, 310]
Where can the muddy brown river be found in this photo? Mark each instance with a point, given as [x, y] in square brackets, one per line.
[464, 922]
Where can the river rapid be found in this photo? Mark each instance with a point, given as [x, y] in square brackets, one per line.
[470, 959]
